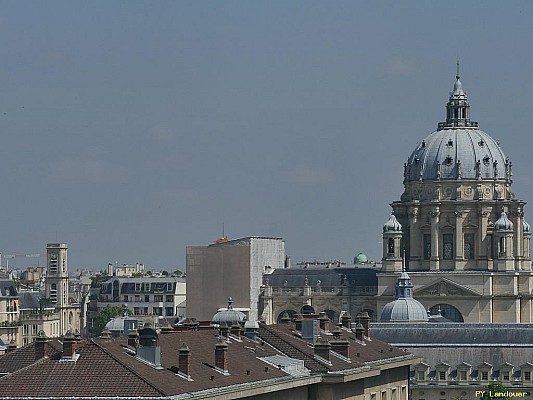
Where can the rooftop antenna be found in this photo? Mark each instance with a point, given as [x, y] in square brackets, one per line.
[457, 75]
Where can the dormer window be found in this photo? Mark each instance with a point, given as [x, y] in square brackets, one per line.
[481, 143]
[486, 160]
[448, 160]
[450, 143]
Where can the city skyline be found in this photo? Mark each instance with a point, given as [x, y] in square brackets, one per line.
[132, 131]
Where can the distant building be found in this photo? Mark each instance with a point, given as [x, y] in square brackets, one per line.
[333, 287]
[125, 270]
[230, 268]
[145, 296]
[460, 359]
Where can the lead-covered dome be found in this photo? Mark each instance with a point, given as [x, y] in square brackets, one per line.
[404, 308]
[228, 316]
[503, 224]
[457, 149]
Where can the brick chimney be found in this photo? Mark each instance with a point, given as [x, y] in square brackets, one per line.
[133, 338]
[285, 319]
[341, 346]
[69, 344]
[324, 321]
[221, 355]
[224, 330]
[346, 320]
[298, 322]
[40, 345]
[236, 329]
[364, 319]
[184, 356]
[322, 349]
[360, 332]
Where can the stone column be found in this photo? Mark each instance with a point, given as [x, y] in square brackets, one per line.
[518, 241]
[435, 232]
[459, 248]
[414, 239]
[481, 242]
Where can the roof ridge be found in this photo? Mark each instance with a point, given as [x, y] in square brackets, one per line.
[131, 370]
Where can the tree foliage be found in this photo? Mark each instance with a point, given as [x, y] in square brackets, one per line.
[106, 315]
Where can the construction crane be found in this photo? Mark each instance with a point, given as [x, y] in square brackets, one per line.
[12, 256]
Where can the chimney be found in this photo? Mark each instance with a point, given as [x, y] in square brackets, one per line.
[69, 345]
[40, 345]
[224, 330]
[183, 359]
[221, 355]
[236, 329]
[340, 345]
[322, 350]
[364, 319]
[346, 320]
[324, 321]
[285, 319]
[10, 347]
[298, 322]
[133, 338]
[360, 332]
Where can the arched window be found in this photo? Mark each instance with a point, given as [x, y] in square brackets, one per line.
[447, 311]
[307, 309]
[290, 313]
[390, 246]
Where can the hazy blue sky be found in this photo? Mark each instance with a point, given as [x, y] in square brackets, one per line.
[133, 129]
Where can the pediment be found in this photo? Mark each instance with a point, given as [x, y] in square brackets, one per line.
[444, 287]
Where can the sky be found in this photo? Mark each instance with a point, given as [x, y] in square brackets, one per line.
[132, 129]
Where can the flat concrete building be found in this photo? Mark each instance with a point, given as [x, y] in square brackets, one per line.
[230, 268]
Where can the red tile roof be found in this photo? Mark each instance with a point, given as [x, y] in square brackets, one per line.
[109, 367]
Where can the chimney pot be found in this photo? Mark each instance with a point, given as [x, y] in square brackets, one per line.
[69, 344]
[133, 338]
[183, 359]
[40, 345]
[221, 355]
[322, 349]
[360, 332]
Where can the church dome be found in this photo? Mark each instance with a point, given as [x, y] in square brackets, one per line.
[228, 316]
[392, 225]
[457, 149]
[503, 224]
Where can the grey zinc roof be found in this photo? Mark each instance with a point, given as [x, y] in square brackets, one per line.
[328, 277]
[454, 334]
[29, 300]
[447, 146]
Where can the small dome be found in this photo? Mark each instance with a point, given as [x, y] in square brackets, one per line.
[392, 225]
[360, 258]
[503, 224]
[228, 316]
[526, 226]
[404, 310]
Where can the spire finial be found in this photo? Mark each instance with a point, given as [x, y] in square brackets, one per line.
[457, 75]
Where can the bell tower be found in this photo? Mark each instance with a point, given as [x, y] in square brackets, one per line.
[56, 284]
